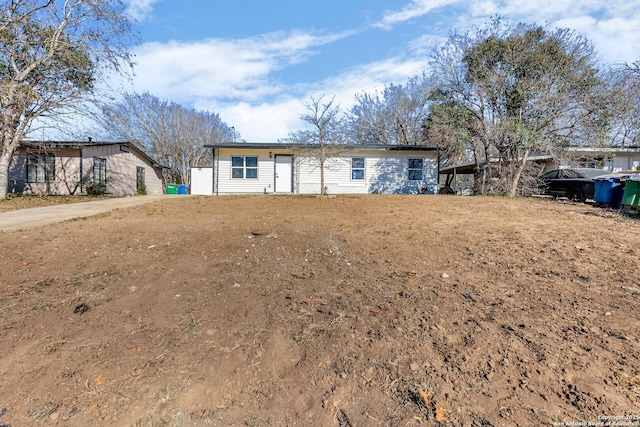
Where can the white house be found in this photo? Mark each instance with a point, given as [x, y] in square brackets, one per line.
[295, 169]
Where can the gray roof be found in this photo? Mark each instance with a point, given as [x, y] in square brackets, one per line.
[76, 145]
[354, 147]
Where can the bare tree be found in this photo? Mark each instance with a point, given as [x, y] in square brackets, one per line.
[394, 117]
[518, 91]
[51, 55]
[624, 98]
[172, 134]
[326, 137]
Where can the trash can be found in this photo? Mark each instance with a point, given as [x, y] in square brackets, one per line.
[602, 195]
[172, 188]
[183, 189]
[609, 189]
[631, 196]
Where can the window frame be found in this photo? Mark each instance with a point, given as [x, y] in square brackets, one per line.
[411, 171]
[40, 168]
[247, 165]
[140, 179]
[99, 164]
[358, 169]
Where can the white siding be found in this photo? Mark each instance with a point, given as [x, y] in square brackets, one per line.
[385, 172]
[225, 184]
[624, 162]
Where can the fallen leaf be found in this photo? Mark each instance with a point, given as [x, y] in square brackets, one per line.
[442, 414]
[100, 380]
[426, 397]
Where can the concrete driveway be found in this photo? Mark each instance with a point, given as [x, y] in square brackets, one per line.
[35, 217]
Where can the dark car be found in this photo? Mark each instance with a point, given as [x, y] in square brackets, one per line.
[576, 184]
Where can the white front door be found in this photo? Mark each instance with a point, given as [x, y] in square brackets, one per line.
[284, 177]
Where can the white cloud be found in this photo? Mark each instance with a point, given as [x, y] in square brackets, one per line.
[616, 40]
[140, 10]
[611, 25]
[415, 9]
[264, 122]
[272, 120]
[223, 68]
[234, 78]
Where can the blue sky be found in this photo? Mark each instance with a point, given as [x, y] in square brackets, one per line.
[254, 62]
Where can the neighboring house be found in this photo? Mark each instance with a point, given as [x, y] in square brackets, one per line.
[295, 169]
[67, 168]
[609, 159]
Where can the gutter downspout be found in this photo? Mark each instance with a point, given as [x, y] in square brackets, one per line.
[214, 161]
[81, 181]
[437, 189]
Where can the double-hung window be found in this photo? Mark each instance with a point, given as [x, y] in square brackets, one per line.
[140, 183]
[99, 170]
[357, 168]
[244, 167]
[41, 168]
[415, 169]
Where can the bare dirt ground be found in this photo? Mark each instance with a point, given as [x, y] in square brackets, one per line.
[346, 311]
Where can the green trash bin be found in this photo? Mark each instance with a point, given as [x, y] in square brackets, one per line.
[172, 188]
[631, 196]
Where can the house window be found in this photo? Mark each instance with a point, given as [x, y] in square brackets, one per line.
[357, 168]
[41, 168]
[244, 167]
[415, 169]
[140, 178]
[99, 170]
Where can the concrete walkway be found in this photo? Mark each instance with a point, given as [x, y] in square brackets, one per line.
[35, 217]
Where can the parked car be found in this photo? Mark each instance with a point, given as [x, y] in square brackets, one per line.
[577, 184]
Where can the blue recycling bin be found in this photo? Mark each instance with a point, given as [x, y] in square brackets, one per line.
[602, 194]
[609, 190]
[183, 189]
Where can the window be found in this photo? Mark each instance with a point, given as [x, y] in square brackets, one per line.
[415, 169]
[140, 178]
[99, 170]
[41, 168]
[244, 167]
[357, 168]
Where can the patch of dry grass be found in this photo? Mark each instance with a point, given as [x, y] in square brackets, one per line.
[14, 202]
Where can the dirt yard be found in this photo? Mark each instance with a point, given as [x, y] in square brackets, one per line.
[307, 311]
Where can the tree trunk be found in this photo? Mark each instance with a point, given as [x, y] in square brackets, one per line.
[5, 161]
[322, 188]
[516, 178]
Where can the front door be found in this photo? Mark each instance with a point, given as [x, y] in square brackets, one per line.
[284, 177]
